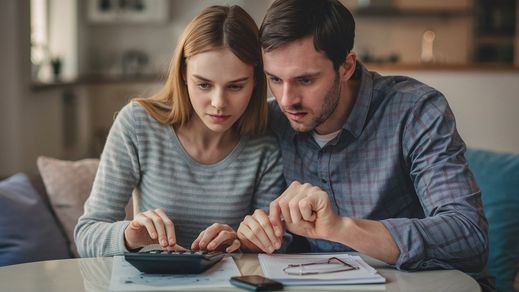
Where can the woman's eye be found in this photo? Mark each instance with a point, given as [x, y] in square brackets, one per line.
[203, 85]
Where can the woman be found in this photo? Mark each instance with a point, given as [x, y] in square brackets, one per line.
[195, 151]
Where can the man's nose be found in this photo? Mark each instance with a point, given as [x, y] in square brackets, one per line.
[289, 96]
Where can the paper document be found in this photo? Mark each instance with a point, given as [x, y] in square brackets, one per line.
[273, 266]
[126, 277]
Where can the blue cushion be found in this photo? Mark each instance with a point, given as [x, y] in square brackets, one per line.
[28, 231]
[497, 174]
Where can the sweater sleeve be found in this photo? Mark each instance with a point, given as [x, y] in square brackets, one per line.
[270, 182]
[100, 230]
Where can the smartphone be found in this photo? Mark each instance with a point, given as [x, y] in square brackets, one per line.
[256, 283]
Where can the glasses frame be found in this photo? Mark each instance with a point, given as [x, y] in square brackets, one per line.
[347, 267]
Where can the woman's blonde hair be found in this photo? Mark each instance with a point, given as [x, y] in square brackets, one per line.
[215, 27]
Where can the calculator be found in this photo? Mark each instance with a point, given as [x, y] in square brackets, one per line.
[158, 261]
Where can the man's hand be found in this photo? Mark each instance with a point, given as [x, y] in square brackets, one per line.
[217, 237]
[152, 226]
[306, 211]
[256, 233]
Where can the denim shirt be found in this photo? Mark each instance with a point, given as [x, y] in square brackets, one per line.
[400, 160]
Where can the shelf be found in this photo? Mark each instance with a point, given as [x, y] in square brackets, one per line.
[487, 67]
[99, 79]
[396, 12]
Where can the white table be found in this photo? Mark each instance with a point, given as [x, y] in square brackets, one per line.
[93, 274]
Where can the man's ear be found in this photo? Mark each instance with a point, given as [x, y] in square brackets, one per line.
[347, 68]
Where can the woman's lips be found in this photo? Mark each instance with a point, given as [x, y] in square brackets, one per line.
[219, 118]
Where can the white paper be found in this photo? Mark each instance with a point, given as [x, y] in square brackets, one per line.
[273, 265]
[126, 277]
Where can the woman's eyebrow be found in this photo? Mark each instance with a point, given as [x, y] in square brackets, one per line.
[232, 81]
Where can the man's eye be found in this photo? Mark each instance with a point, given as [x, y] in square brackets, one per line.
[274, 79]
[235, 87]
[305, 81]
[203, 85]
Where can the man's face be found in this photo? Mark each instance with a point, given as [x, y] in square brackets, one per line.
[304, 83]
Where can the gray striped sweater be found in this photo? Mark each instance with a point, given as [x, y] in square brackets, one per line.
[144, 154]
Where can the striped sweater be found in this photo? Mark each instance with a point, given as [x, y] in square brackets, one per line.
[141, 153]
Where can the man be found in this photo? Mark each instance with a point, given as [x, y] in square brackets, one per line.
[373, 163]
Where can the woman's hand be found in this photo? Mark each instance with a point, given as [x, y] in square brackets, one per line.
[152, 226]
[256, 233]
[217, 237]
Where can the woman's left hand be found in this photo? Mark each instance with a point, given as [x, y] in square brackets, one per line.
[217, 237]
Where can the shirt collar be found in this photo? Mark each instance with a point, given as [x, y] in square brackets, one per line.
[358, 114]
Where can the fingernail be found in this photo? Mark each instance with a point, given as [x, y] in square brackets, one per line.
[164, 242]
[202, 243]
[211, 246]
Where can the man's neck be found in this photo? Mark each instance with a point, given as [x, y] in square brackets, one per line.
[348, 96]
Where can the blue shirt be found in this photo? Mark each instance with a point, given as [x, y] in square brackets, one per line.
[399, 159]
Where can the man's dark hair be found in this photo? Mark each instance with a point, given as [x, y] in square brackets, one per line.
[328, 21]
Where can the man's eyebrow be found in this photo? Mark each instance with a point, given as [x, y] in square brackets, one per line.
[232, 81]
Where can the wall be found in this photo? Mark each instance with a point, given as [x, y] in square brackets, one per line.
[31, 121]
[9, 76]
[485, 104]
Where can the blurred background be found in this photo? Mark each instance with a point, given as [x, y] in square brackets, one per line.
[68, 65]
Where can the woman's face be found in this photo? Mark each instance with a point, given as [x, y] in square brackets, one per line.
[220, 86]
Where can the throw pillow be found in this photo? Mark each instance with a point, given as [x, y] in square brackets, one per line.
[68, 185]
[497, 174]
[28, 231]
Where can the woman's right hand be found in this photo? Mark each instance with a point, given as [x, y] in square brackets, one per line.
[151, 227]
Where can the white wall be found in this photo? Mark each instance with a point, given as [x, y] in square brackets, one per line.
[485, 104]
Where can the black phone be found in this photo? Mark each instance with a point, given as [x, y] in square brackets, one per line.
[256, 283]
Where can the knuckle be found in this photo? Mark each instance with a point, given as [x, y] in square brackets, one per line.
[283, 203]
[293, 204]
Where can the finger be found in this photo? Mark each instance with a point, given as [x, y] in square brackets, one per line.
[306, 210]
[169, 225]
[265, 223]
[275, 217]
[176, 247]
[246, 234]
[234, 246]
[196, 244]
[256, 228]
[210, 233]
[148, 223]
[295, 213]
[159, 227]
[224, 238]
[285, 210]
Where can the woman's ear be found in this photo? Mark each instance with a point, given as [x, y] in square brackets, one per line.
[347, 68]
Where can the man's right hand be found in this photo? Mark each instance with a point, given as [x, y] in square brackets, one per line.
[256, 233]
[150, 227]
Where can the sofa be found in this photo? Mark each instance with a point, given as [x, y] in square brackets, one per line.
[39, 213]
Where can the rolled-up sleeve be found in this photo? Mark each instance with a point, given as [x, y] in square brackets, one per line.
[453, 233]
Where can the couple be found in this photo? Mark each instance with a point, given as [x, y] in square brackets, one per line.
[348, 159]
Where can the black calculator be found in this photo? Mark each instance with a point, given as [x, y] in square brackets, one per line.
[158, 261]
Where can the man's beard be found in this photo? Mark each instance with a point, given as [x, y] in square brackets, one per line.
[330, 104]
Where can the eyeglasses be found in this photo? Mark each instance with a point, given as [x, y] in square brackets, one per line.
[332, 265]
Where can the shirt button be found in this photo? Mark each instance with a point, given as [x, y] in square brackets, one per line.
[324, 181]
